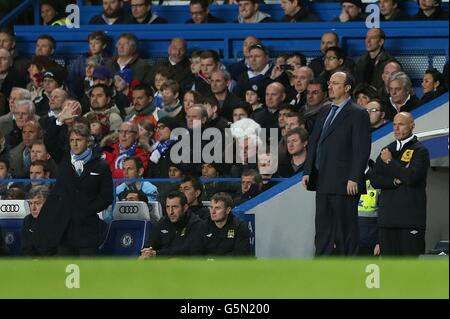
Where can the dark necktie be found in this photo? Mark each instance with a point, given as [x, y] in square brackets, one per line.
[325, 128]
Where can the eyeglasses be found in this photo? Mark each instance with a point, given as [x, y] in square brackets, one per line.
[373, 110]
[334, 83]
[127, 132]
[331, 58]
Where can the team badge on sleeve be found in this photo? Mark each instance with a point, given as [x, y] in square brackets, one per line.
[407, 155]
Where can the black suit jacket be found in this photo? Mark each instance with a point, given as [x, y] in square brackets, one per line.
[345, 150]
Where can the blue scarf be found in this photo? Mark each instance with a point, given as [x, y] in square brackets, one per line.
[78, 161]
[124, 153]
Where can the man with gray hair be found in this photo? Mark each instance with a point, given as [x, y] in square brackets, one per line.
[401, 95]
[23, 112]
[128, 58]
[220, 83]
[302, 76]
[388, 70]
[7, 120]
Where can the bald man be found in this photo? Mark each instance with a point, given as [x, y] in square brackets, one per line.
[400, 172]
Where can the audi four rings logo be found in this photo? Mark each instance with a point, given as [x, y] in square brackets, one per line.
[9, 208]
[131, 209]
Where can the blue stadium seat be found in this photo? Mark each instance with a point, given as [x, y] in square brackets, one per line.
[126, 237]
[12, 213]
[128, 230]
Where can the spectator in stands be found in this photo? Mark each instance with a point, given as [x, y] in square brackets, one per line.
[431, 10]
[15, 193]
[147, 135]
[45, 46]
[388, 70]
[122, 84]
[113, 13]
[258, 74]
[209, 62]
[99, 125]
[293, 120]
[390, 11]
[284, 73]
[97, 54]
[352, 10]
[302, 76]
[297, 11]
[128, 58]
[212, 170]
[369, 67]
[249, 12]
[225, 234]
[57, 98]
[283, 111]
[83, 189]
[402, 98]
[160, 156]
[200, 13]
[143, 107]
[4, 148]
[297, 142]
[52, 13]
[101, 103]
[195, 63]
[38, 66]
[433, 85]
[328, 40]
[162, 74]
[20, 156]
[190, 98]
[141, 11]
[252, 98]
[20, 63]
[275, 96]
[220, 82]
[133, 168]
[39, 170]
[316, 99]
[8, 79]
[24, 111]
[363, 93]
[172, 106]
[39, 152]
[8, 121]
[213, 110]
[376, 113]
[102, 75]
[337, 157]
[4, 174]
[400, 172]
[53, 78]
[268, 168]
[333, 60]
[251, 186]
[177, 61]
[241, 110]
[127, 145]
[36, 200]
[182, 235]
[242, 66]
[192, 188]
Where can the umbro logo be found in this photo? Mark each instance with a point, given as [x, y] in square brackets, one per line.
[164, 231]
[209, 235]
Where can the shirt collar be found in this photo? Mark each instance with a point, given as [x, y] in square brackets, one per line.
[402, 143]
[406, 101]
[171, 61]
[341, 105]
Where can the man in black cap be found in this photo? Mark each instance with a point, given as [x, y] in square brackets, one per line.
[352, 10]
[53, 78]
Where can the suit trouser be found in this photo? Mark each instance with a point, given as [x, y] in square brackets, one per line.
[337, 230]
[401, 241]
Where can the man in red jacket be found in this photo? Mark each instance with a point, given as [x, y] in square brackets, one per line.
[126, 146]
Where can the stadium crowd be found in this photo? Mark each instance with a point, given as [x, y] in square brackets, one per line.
[105, 116]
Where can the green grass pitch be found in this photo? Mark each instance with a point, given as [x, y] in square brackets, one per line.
[225, 278]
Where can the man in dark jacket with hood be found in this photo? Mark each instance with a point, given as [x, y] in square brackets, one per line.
[297, 11]
[178, 233]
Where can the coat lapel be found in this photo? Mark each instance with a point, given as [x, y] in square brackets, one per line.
[339, 118]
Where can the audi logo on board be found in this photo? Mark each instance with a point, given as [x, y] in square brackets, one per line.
[131, 209]
[9, 208]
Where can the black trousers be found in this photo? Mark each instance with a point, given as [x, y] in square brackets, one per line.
[66, 250]
[337, 230]
[401, 241]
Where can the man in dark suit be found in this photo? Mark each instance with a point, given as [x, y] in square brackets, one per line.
[337, 157]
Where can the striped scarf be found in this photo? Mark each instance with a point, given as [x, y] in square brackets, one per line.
[78, 161]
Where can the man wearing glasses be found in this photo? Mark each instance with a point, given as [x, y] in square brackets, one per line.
[141, 10]
[128, 145]
[337, 157]
[376, 113]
